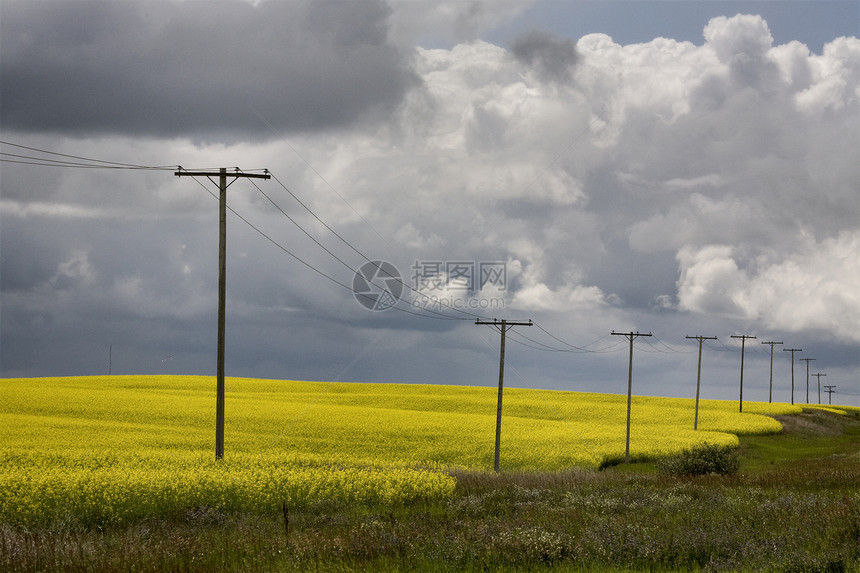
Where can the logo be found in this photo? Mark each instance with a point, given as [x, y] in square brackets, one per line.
[377, 285]
[469, 276]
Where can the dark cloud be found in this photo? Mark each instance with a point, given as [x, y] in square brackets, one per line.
[196, 69]
[552, 57]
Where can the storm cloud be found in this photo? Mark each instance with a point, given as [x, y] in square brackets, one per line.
[174, 69]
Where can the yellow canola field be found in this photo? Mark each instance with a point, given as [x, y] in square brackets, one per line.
[111, 449]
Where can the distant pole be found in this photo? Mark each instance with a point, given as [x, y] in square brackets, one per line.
[503, 326]
[792, 350]
[110, 359]
[807, 360]
[631, 335]
[699, 376]
[743, 338]
[830, 390]
[819, 375]
[770, 392]
[222, 287]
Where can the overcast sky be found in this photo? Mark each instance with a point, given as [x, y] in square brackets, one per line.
[673, 168]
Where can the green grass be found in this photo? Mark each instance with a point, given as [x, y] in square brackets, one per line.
[794, 506]
[811, 435]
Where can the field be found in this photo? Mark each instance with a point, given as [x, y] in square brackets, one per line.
[107, 450]
[366, 476]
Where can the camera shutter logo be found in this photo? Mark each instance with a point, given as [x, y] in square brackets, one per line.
[377, 285]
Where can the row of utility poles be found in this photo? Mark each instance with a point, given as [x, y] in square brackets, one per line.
[743, 338]
[631, 336]
[501, 325]
[792, 350]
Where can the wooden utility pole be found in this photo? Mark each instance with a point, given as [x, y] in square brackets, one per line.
[222, 286]
[807, 360]
[503, 326]
[770, 392]
[792, 350]
[699, 376]
[830, 390]
[819, 375]
[743, 338]
[631, 335]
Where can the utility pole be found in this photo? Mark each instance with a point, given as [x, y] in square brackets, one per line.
[819, 375]
[222, 285]
[807, 360]
[743, 338]
[503, 326]
[770, 392]
[699, 376]
[631, 335]
[830, 390]
[792, 350]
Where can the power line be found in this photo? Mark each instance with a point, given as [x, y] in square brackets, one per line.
[310, 266]
[536, 345]
[572, 350]
[74, 165]
[82, 161]
[302, 229]
[42, 157]
[274, 242]
[724, 348]
[582, 349]
[46, 162]
[318, 174]
[469, 315]
[671, 349]
[222, 274]
[91, 162]
[315, 216]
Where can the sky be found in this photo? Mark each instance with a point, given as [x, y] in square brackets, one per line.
[677, 169]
